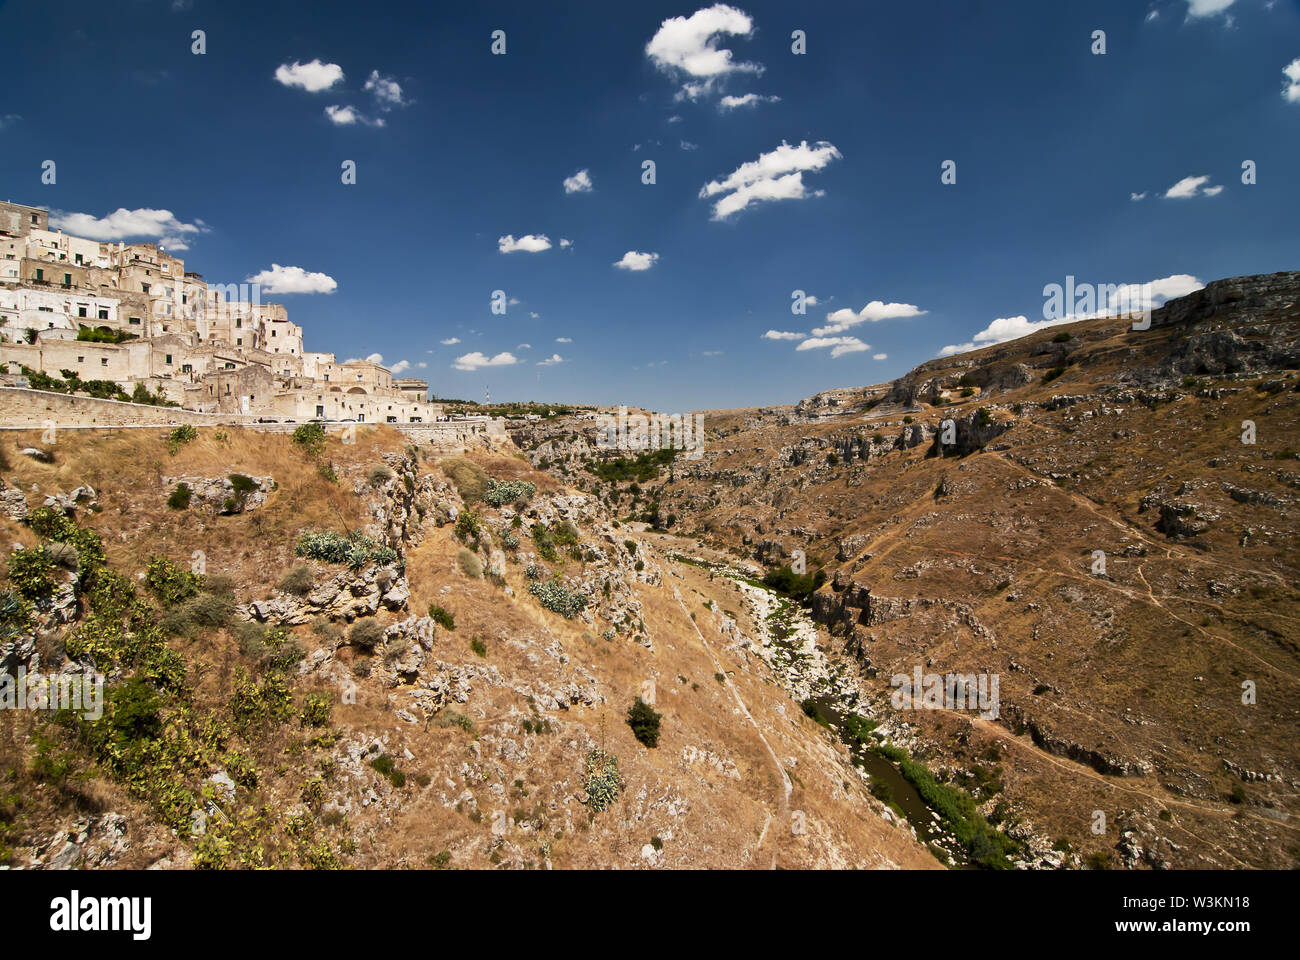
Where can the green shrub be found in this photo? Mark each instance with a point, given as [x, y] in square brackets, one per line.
[311, 437]
[442, 617]
[468, 525]
[498, 493]
[603, 782]
[1053, 374]
[644, 721]
[171, 582]
[180, 436]
[315, 710]
[355, 550]
[479, 647]
[1063, 337]
[180, 497]
[558, 598]
[31, 572]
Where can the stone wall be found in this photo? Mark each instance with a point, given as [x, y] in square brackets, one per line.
[24, 409]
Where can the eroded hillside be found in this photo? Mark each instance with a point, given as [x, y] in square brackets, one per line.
[332, 654]
[1103, 518]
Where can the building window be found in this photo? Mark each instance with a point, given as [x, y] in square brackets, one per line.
[239, 341]
[169, 358]
[81, 311]
[40, 274]
[103, 361]
[103, 313]
[81, 359]
[134, 321]
[67, 279]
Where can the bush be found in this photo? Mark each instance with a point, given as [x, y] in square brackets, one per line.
[1053, 374]
[380, 475]
[479, 647]
[442, 617]
[558, 598]
[204, 611]
[311, 437]
[1063, 337]
[315, 710]
[299, 581]
[31, 573]
[644, 721]
[469, 563]
[171, 582]
[366, 634]
[797, 586]
[180, 436]
[603, 782]
[243, 486]
[179, 498]
[498, 493]
[469, 478]
[468, 525]
[355, 550]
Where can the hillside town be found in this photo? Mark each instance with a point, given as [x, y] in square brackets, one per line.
[129, 317]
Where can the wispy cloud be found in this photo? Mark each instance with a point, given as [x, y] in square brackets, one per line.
[1189, 187]
[580, 182]
[777, 175]
[530, 243]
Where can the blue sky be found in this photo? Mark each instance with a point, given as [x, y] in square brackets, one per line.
[456, 148]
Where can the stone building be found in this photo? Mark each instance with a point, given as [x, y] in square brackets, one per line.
[133, 314]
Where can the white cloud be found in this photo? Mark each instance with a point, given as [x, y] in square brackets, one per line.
[687, 145]
[565, 243]
[777, 175]
[1135, 197]
[1206, 8]
[674, 119]
[580, 182]
[400, 367]
[450, 341]
[477, 361]
[689, 45]
[529, 243]
[312, 77]
[880, 356]
[748, 100]
[875, 311]
[524, 346]
[280, 279]
[1291, 89]
[564, 340]
[375, 358]
[637, 262]
[783, 335]
[552, 361]
[422, 364]
[712, 353]
[386, 90]
[350, 116]
[1192, 187]
[839, 345]
[534, 315]
[1126, 298]
[123, 224]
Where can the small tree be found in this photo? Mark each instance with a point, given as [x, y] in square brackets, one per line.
[644, 722]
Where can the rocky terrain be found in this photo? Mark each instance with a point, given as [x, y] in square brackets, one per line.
[547, 654]
[1105, 518]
